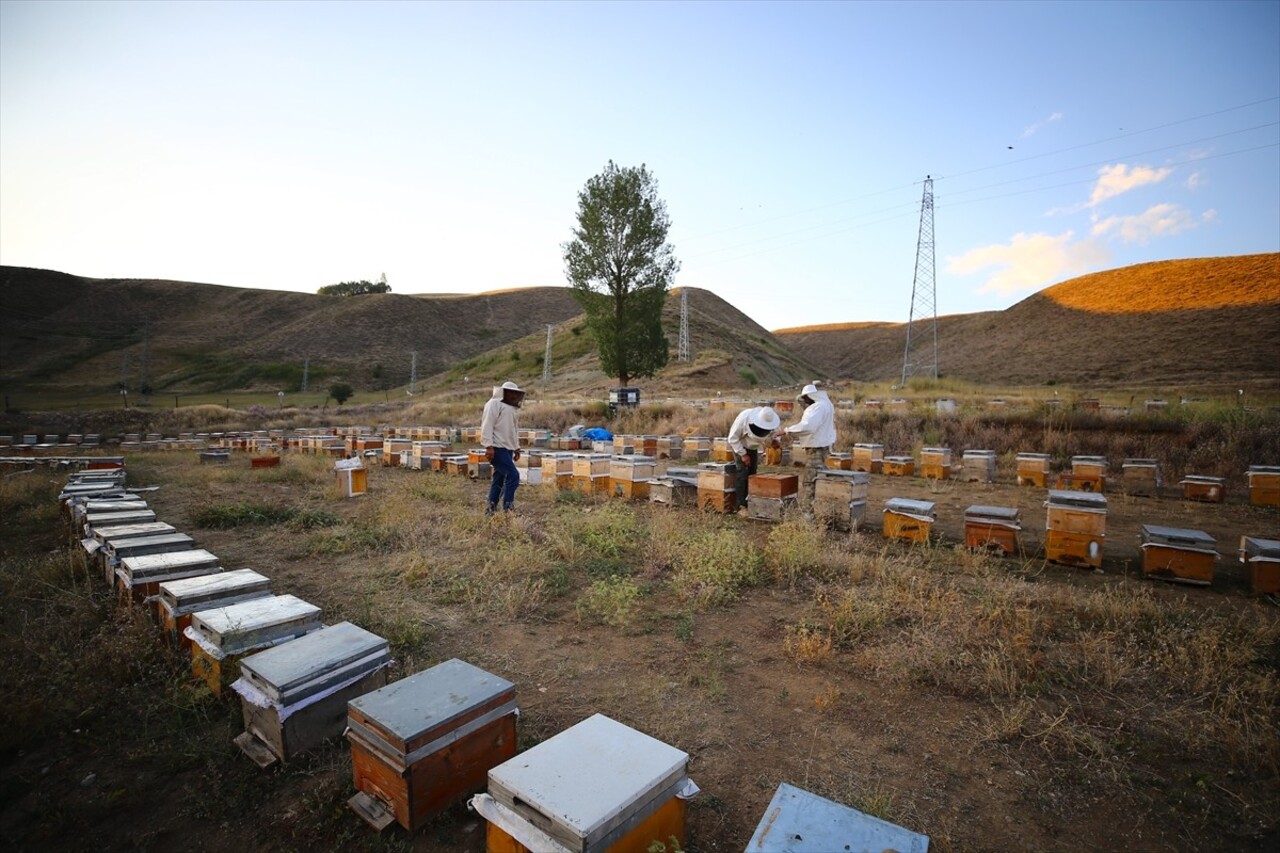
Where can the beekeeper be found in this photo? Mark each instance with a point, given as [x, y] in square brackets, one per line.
[752, 430]
[816, 433]
[500, 435]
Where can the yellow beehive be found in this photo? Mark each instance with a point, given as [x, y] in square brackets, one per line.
[1033, 469]
[1264, 485]
[1141, 477]
[908, 519]
[840, 461]
[868, 458]
[587, 465]
[899, 466]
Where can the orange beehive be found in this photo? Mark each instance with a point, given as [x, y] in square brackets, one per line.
[1088, 473]
[720, 450]
[899, 466]
[632, 490]
[1073, 549]
[935, 463]
[773, 485]
[1205, 489]
[1170, 553]
[992, 527]
[597, 485]
[1076, 528]
[868, 458]
[1141, 477]
[840, 461]
[908, 519]
[1262, 561]
[718, 500]
[1264, 485]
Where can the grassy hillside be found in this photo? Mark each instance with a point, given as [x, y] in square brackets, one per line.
[1196, 322]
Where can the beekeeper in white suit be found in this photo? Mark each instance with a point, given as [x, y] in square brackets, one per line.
[752, 430]
[816, 433]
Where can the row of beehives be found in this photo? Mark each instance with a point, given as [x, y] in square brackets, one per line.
[420, 744]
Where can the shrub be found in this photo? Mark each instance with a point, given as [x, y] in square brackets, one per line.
[609, 601]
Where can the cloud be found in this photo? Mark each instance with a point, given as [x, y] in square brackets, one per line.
[1030, 261]
[1032, 129]
[1210, 215]
[1118, 179]
[1195, 180]
[1159, 220]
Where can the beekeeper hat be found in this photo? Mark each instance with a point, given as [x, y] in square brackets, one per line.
[809, 391]
[511, 386]
[765, 418]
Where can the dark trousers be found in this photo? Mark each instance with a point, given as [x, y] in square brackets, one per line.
[746, 471]
[506, 479]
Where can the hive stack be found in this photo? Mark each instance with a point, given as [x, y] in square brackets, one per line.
[771, 496]
[178, 599]
[840, 498]
[557, 470]
[222, 636]
[935, 463]
[421, 743]
[868, 458]
[1076, 527]
[839, 461]
[997, 527]
[676, 487]
[591, 473]
[1033, 469]
[140, 577]
[716, 487]
[1261, 558]
[596, 786]
[1089, 473]
[631, 475]
[294, 696]
[899, 466]
[979, 466]
[1264, 485]
[1171, 553]
[1141, 477]
[478, 466]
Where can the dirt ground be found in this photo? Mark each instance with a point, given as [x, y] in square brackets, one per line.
[717, 685]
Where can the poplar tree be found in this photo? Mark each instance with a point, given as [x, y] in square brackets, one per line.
[620, 267]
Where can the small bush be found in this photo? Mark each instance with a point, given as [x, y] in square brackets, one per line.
[609, 601]
[228, 516]
[714, 566]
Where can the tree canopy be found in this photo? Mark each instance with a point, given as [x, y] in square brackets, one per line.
[341, 392]
[620, 267]
[356, 288]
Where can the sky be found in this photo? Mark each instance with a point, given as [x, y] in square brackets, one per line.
[292, 145]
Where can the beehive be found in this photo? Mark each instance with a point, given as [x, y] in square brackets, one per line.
[456, 465]
[1141, 477]
[1205, 489]
[352, 478]
[935, 463]
[773, 486]
[840, 461]
[677, 487]
[623, 445]
[908, 519]
[841, 486]
[632, 468]
[1033, 469]
[996, 527]
[696, 447]
[214, 457]
[422, 743]
[110, 519]
[141, 576]
[221, 636]
[717, 484]
[1175, 554]
[1264, 485]
[797, 821]
[264, 462]
[1076, 527]
[670, 447]
[177, 600]
[838, 514]
[294, 696]
[590, 465]
[720, 450]
[556, 464]
[114, 550]
[1261, 558]
[899, 466]
[597, 786]
[1088, 473]
[979, 466]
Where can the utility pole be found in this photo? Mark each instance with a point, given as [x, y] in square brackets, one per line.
[920, 358]
[682, 349]
[413, 372]
[546, 357]
[306, 369]
[124, 370]
[145, 385]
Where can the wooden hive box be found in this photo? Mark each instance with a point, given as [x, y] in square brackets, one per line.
[1141, 477]
[899, 466]
[112, 519]
[456, 465]
[720, 450]
[908, 519]
[176, 600]
[796, 820]
[422, 743]
[717, 476]
[554, 464]
[352, 482]
[531, 476]
[591, 464]
[1089, 473]
[1261, 558]
[479, 470]
[1204, 489]
[597, 786]
[940, 456]
[649, 446]
[718, 500]
[670, 447]
[599, 484]
[696, 447]
[1264, 485]
[840, 461]
[1170, 553]
[624, 444]
[979, 466]
[674, 491]
[632, 490]
[772, 486]
[222, 636]
[1073, 549]
[992, 527]
[1033, 469]
[632, 468]
[839, 514]
[294, 696]
[1076, 512]
[115, 550]
[770, 509]
[140, 577]
[264, 462]
[214, 457]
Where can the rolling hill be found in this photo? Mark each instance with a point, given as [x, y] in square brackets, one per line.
[1197, 322]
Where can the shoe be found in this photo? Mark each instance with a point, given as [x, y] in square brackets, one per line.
[491, 509]
[509, 510]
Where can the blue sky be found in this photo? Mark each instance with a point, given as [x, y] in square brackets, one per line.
[292, 145]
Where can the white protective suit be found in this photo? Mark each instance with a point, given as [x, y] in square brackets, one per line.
[817, 426]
